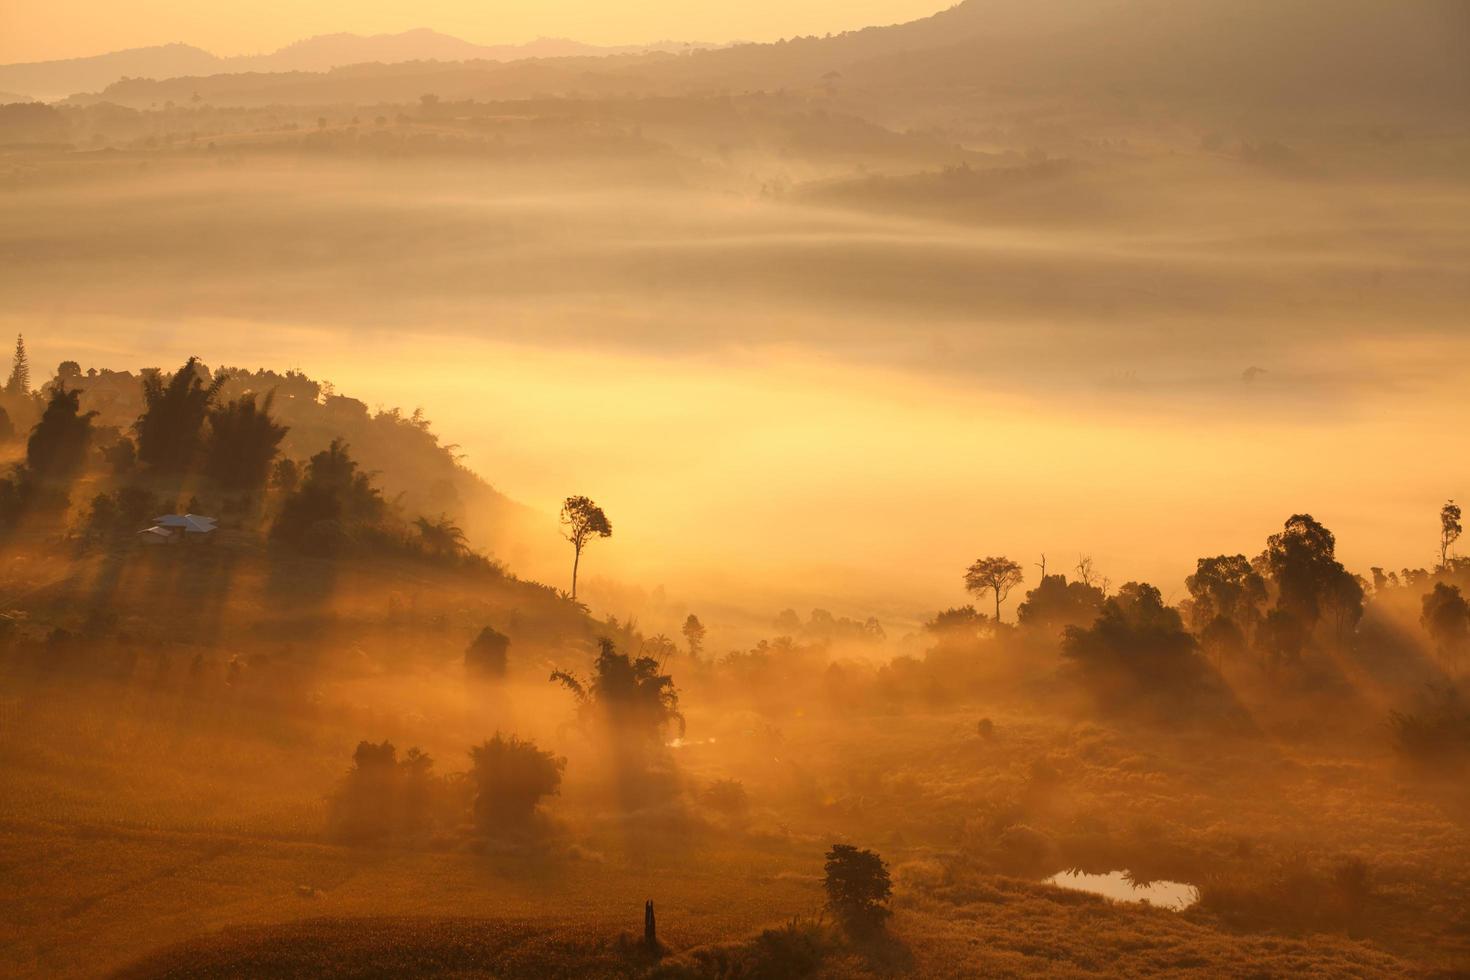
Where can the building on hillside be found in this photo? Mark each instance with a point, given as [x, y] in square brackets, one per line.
[176, 528]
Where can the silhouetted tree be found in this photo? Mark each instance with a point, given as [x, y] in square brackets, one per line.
[858, 889]
[694, 635]
[68, 371]
[442, 537]
[659, 647]
[630, 694]
[511, 776]
[1309, 579]
[7, 427]
[1056, 604]
[242, 443]
[1446, 618]
[488, 655]
[333, 493]
[582, 521]
[1450, 530]
[959, 626]
[1383, 581]
[170, 430]
[1225, 586]
[58, 444]
[1087, 574]
[1136, 633]
[997, 575]
[19, 382]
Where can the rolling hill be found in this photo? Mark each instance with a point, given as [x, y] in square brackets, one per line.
[1355, 61]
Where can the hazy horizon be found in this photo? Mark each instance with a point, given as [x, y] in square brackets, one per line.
[29, 30]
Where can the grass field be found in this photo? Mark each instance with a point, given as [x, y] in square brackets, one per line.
[110, 864]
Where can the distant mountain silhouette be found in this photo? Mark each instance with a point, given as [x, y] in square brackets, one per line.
[1341, 60]
[56, 79]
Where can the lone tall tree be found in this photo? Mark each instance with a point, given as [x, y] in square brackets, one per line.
[582, 520]
[997, 575]
[20, 371]
[1450, 530]
[694, 635]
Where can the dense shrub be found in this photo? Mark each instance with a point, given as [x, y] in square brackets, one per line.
[1292, 895]
[383, 795]
[511, 776]
[1438, 733]
[858, 889]
[488, 655]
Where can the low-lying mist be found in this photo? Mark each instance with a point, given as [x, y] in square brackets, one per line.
[827, 403]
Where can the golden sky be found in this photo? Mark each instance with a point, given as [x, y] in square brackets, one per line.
[35, 30]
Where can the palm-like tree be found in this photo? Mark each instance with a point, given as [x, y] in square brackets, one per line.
[443, 537]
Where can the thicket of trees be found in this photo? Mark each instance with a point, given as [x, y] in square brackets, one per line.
[331, 507]
[58, 445]
[1137, 646]
[631, 696]
[219, 436]
[1293, 594]
[385, 795]
[171, 428]
[242, 443]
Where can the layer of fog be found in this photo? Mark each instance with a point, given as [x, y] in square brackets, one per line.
[782, 404]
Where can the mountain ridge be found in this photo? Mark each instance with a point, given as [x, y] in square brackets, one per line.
[59, 78]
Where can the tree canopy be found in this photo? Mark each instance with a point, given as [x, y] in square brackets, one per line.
[242, 443]
[170, 430]
[1136, 633]
[858, 889]
[332, 492]
[58, 444]
[582, 521]
[995, 575]
[1056, 604]
[631, 695]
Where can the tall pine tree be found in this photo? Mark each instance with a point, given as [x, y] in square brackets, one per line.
[20, 372]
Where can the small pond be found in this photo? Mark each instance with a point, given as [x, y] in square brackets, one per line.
[1119, 886]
